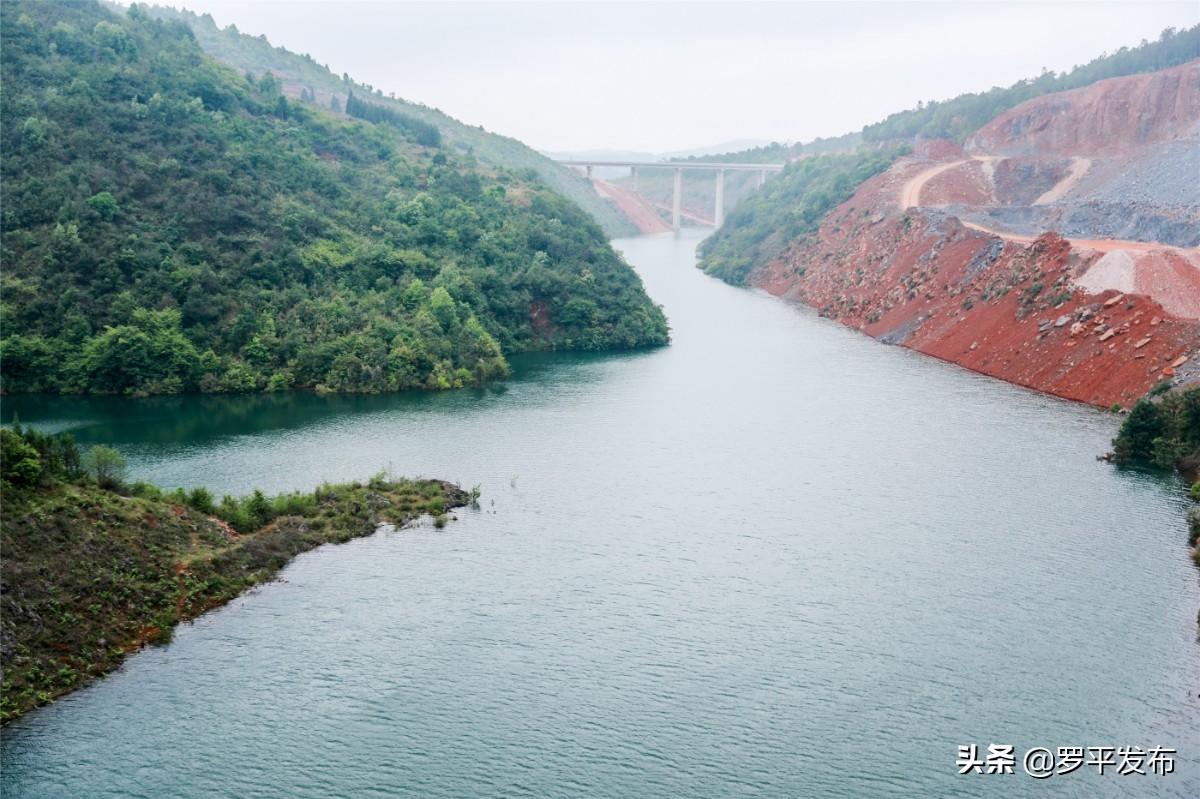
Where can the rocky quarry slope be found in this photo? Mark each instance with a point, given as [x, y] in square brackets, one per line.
[1058, 249]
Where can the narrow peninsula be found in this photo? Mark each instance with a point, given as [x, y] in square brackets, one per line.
[94, 569]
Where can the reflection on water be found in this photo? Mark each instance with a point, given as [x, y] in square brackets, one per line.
[207, 419]
[775, 558]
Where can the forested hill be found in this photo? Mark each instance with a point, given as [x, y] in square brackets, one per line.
[958, 118]
[170, 225]
[786, 207]
[301, 77]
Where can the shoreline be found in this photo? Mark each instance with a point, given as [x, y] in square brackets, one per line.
[153, 561]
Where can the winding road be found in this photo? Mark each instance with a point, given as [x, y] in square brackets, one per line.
[910, 197]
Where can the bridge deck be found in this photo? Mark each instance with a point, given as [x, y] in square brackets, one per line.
[703, 165]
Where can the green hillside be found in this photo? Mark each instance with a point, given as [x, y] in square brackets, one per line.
[170, 225]
[302, 76]
[786, 207]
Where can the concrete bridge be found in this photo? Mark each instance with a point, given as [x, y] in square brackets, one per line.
[679, 166]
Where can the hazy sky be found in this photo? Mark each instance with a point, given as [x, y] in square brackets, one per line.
[665, 76]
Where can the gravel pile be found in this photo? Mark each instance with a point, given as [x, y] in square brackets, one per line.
[1162, 175]
[1179, 226]
[1153, 196]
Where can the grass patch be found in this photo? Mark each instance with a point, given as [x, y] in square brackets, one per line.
[91, 573]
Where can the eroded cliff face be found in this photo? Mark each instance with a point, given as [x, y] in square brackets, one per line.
[1007, 309]
[1006, 261]
[1109, 117]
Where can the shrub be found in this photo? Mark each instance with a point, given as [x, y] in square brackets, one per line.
[232, 512]
[20, 463]
[145, 490]
[106, 466]
[202, 500]
[1163, 430]
[259, 509]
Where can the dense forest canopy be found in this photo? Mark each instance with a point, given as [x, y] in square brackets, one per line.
[317, 83]
[786, 207]
[424, 133]
[172, 225]
[961, 116]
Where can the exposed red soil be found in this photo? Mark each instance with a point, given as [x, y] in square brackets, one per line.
[1005, 307]
[993, 180]
[1172, 278]
[539, 319]
[634, 206]
[1109, 117]
[688, 212]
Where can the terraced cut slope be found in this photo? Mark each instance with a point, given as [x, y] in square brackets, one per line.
[1060, 249]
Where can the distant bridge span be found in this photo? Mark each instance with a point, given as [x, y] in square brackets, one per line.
[679, 167]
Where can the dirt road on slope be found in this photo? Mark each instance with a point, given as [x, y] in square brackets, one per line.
[633, 205]
[910, 194]
[910, 197]
[1079, 168]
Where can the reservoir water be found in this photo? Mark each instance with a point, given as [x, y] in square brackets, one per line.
[775, 559]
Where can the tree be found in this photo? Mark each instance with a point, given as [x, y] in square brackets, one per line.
[268, 84]
[104, 204]
[441, 304]
[1135, 443]
[20, 464]
[149, 353]
[106, 466]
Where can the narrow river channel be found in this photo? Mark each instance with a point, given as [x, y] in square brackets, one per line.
[775, 558]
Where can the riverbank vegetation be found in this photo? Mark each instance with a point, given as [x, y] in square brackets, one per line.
[1163, 431]
[94, 568]
[172, 225]
[785, 208]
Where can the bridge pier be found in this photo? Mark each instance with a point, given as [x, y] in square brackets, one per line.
[719, 211]
[677, 199]
[636, 167]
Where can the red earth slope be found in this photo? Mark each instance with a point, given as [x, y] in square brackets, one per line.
[1090, 318]
[634, 206]
[1110, 116]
